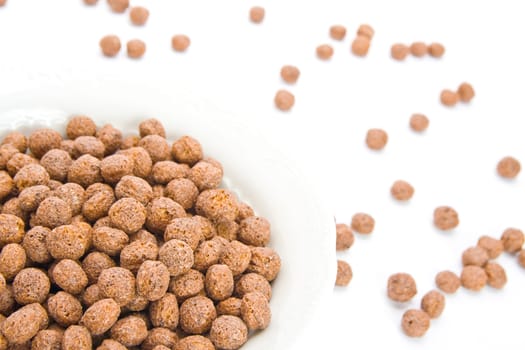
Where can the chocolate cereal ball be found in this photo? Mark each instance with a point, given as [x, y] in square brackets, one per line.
[11, 229]
[436, 50]
[466, 92]
[47, 339]
[129, 142]
[473, 277]
[139, 303]
[266, 262]
[114, 167]
[228, 332]
[217, 204]
[7, 301]
[110, 45]
[219, 282]
[80, 125]
[449, 98]
[101, 316]
[69, 276]
[165, 171]
[136, 48]
[12, 207]
[68, 146]
[363, 223]
[399, 51]
[230, 306]
[402, 190]
[34, 244]
[415, 323]
[419, 122]
[205, 175]
[284, 100]
[24, 324]
[6, 184]
[512, 239]
[110, 344]
[109, 240]
[6, 152]
[67, 242]
[187, 285]
[187, 150]
[445, 218]
[17, 140]
[164, 312]
[117, 283]
[197, 314]
[236, 256]
[64, 308]
[180, 42]
[31, 197]
[475, 256]
[182, 191]
[159, 336]
[110, 136]
[255, 231]
[206, 226]
[290, 74]
[324, 52]
[3, 283]
[401, 287]
[345, 237]
[376, 139]
[42, 140]
[57, 163]
[360, 45]
[508, 167]
[88, 145]
[142, 163]
[134, 254]
[344, 273]
[18, 161]
[447, 281]
[156, 146]
[77, 338]
[194, 342]
[85, 171]
[208, 253]
[31, 285]
[31, 175]
[493, 247]
[12, 260]
[94, 263]
[255, 311]
[153, 279]
[73, 194]
[160, 212]
[227, 229]
[257, 14]
[128, 215]
[118, 6]
[177, 256]
[252, 282]
[185, 229]
[134, 187]
[150, 126]
[433, 303]
[496, 275]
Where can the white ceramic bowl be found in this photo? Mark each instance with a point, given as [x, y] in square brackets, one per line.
[303, 232]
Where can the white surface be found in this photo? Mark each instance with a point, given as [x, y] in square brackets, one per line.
[236, 64]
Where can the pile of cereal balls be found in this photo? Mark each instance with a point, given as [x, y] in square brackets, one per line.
[112, 242]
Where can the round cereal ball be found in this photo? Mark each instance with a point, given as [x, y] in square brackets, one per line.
[68, 275]
[17, 140]
[418, 49]
[401, 190]
[447, 281]
[219, 282]
[158, 191]
[496, 275]
[136, 48]
[465, 92]
[128, 215]
[31, 285]
[11, 229]
[493, 247]
[266, 262]
[34, 244]
[207, 254]
[433, 303]
[401, 287]
[47, 339]
[230, 306]
[165, 171]
[12, 260]
[194, 342]
[134, 187]
[255, 311]
[118, 6]
[99, 199]
[153, 279]
[290, 74]
[67, 242]
[85, 171]
[110, 136]
[399, 51]
[177, 256]
[475, 256]
[160, 336]
[180, 42]
[512, 239]
[77, 338]
[436, 50]
[255, 231]
[150, 126]
[415, 323]
[206, 226]
[197, 314]
[18, 161]
[24, 324]
[31, 175]
[324, 52]
[217, 204]
[205, 175]
[376, 139]
[185, 229]
[6, 184]
[363, 223]
[7, 300]
[144, 235]
[345, 237]
[419, 122]
[42, 140]
[101, 316]
[137, 252]
[187, 285]
[344, 273]
[110, 344]
[12, 207]
[449, 98]
[142, 163]
[508, 167]
[88, 145]
[187, 150]
[360, 45]
[6, 152]
[156, 146]
[31, 197]
[227, 229]
[68, 146]
[164, 312]
[94, 263]
[473, 277]
[114, 167]
[228, 332]
[284, 100]
[129, 142]
[117, 283]
[160, 212]
[109, 240]
[64, 308]
[80, 125]
[253, 282]
[445, 218]
[57, 163]
[182, 191]
[73, 194]
[139, 303]
[236, 256]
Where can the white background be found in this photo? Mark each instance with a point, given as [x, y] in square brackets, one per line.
[236, 64]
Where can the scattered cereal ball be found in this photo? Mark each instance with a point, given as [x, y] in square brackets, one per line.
[136, 48]
[230, 306]
[109, 240]
[160, 212]
[344, 273]
[117, 283]
[118, 5]
[363, 223]
[521, 258]
[436, 50]
[187, 285]
[47, 339]
[180, 42]
[493, 247]
[31, 175]
[253, 282]
[401, 287]
[360, 45]
[67, 242]
[418, 49]
[114, 167]
[207, 253]
[284, 100]
[185, 229]
[12, 260]
[290, 74]
[110, 344]
[466, 92]
[508, 167]
[366, 31]
[56, 162]
[85, 171]
[475, 256]
[80, 126]
[164, 312]
[415, 323]
[134, 187]
[205, 175]
[197, 314]
[128, 215]
[156, 146]
[6, 152]
[64, 308]
[17, 140]
[11, 229]
[153, 279]
[31, 285]
[257, 14]
[110, 137]
[101, 316]
[255, 311]
[266, 262]
[76, 338]
[219, 282]
[6, 184]
[402, 190]
[194, 342]
[217, 204]
[18, 161]
[418, 122]
[255, 231]
[160, 336]
[445, 218]
[68, 275]
[138, 15]
[473, 277]
[345, 237]
[42, 140]
[496, 275]
[337, 32]
[433, 303]
[94, 263]
[177, 256]
[449, 98]
[376, 139]
[512, 240]
[228, 332]
[236, 256]
[24, 324]
[399, 51]
[324, 52]
[165, 171]
[34, 244]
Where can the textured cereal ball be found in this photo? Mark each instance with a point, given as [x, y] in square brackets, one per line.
[150, 126]
[101, 316]
[24, 324]
[401, 190]
[445, 218]
[255, 311]
[67, 242]
[6, 184]
[284, 100]
[167, 170]
[401, 287]
[164, 312]
[64, 308]
[31, 175]
[144, 236]
[18, 161]
[17, 140]
[363, 223]
[493, 247]
[136, 48]
[109, 240]
[255, 231]
[97, 205]
[512, 239]
[236, 256]
[160, 212]
[182, 191]
[324, 52]
[156, 146]
[6, 152]
[68, 275]
[160, 336]
[80, 125]
[47, 339]
[449, 98]
[230, 306]
[376, 139]
[399, 51]
[3, 284]
[114, 167]
[34, 244]
[257, 14]
[94, 263]
[228, 332]
[266, 262]
[207, 253]
[345, 237]
[245, 211]
[496, 275]
[337, 32]
[227, 229]
[153, 279]
[117, 283]
[138, 15]
[128, 215]
[205, 175]
[418, 122]
[7, 301]
[12, 260]
[135, 253]
[118, 6]
[217, 204]
[57, 163]
[360, 46]
[473, 277]
[180, 42]
[42, 140]
[508, 167]
[475, 256]
[344, 273]
[11, 229]
[129, 142]
[77, 338]
[187, 285]
[158, 191]
[68, 146]
[177, 256]
[85, 171]
[466, 92]
[194, 342]
[219, 282]
[290, 74]
[134, 187]
[139, 303]
[415, 323]
[31, 285]
[436, 50]
[447, 281]
[73, 194]
[88, 145]
[110, 344]
[110, 137]
[197, 314]
[418, 49]
[12, 207]
[187, 150]
[253, 282]
[366, 30]
[433, 303]
[185, 229]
